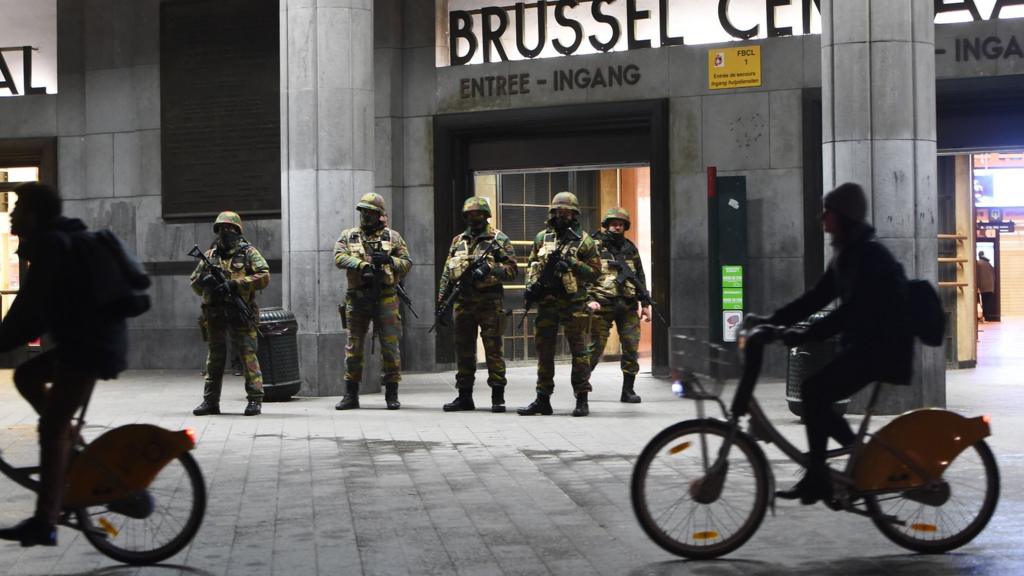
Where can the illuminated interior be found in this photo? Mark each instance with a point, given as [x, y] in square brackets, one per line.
[10, 270]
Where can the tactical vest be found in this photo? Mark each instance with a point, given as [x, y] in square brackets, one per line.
[462, 254]
[236, 268]
[549, 246]
[606, 286]
[356, 247]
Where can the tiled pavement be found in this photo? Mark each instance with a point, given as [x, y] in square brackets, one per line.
[304, 489]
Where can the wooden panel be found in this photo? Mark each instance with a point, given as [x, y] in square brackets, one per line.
[1011, 263]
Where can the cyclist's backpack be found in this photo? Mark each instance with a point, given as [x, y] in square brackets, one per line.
[116, 281]
[927, 317]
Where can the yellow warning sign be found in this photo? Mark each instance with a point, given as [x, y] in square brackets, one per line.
[734, 67]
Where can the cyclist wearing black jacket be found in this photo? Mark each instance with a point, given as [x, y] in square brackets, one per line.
[872, 319]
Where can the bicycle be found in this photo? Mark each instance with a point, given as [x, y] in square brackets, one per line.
[700, 488]
[135, 492]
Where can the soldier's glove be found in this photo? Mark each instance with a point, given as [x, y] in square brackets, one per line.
[226, 289]
[381, 258]
[563, 266]
[615, 265]
[793, 337]
[366, 273]
[481, 272]
[206, 280]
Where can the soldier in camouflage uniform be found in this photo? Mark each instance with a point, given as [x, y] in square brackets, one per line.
[616, 302]
[564, 304]
[375, 259]
[247, 271]
[479, 304]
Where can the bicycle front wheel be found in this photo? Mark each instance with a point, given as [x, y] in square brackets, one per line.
[939, 520]
[669, 490]
[153, 525]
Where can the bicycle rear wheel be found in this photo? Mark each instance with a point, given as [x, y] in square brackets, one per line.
[948, 517]
[155, 524]
[665, 479]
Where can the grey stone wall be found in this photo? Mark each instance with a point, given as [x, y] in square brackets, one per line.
[108, 130]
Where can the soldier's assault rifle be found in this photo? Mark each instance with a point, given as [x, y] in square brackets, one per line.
[627, 274]
[545, 282]
[240, 313]
[451, 291]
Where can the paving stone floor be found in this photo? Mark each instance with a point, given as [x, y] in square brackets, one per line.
[304, 489]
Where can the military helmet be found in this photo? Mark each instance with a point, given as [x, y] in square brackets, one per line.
[617, 213]
[565, 200]
[228, 217]
[477, 203]
[372, 201]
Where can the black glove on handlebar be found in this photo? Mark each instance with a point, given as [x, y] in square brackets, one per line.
[793, 337]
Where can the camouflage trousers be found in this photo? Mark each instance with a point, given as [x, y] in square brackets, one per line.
[243, 340]
[623, 312]
[574, 319]
[359, 312]
[481, 312]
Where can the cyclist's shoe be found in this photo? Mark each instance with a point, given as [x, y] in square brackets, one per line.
[31, 532]
[206, 409]
[582, 407]
[254, 408]
[542, 406]
[811, 488]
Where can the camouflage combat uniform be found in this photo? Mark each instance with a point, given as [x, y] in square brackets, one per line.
[351, 251]
[565, 307]
[618, 303]
[480, 304]
[249, 270]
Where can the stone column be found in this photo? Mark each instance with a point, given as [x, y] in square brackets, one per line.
[878, 108]
[327, 162]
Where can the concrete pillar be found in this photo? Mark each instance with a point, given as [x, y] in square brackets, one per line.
[878, 108]
[327, 162]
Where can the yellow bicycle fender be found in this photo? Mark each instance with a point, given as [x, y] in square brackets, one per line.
[121, 462]
[930, 438]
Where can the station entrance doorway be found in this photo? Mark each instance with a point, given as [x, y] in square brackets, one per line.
[521, 198]
[607, 154]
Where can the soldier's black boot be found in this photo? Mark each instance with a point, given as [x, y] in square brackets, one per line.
[206, 409]
[463, 402]
[582, 408]
[254, 408]
[628, 396]
[542, 406]
[391, 396]
[498, 399]
[351, 398]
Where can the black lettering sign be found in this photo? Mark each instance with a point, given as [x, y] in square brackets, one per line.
[667, 40]
[1000, 4]
[806, 13]
[492, 36]
[599, 16]
[723, 19]
[567, 22]
[958, 6]
[460, 25]
[632, 15]
[989, 48]
[773, 30]
[492, 86]
[542, 29]
[26, 72]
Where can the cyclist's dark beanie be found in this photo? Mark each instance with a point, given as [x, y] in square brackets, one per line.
[43, 200]
[848, 200]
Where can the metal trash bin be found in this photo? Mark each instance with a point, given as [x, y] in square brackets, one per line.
[806, 359]
[278, 353]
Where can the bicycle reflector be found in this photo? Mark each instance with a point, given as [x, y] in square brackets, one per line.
[191, 433]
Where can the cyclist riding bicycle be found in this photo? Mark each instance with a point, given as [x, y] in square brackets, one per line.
[89, 346]
[872, 318]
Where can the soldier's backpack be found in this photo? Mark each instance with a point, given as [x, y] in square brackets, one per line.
[927, 317]
[116, 281]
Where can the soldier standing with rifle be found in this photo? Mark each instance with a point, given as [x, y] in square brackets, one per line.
[227, 277]
[563, 261]
[614, 297]
[375, 259]
[479, 261]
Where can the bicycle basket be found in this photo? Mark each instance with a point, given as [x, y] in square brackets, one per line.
[700, 369]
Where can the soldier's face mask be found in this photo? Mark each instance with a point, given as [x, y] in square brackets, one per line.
[562, 219]
[476, 220]
[368, 218]
[227, 236]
